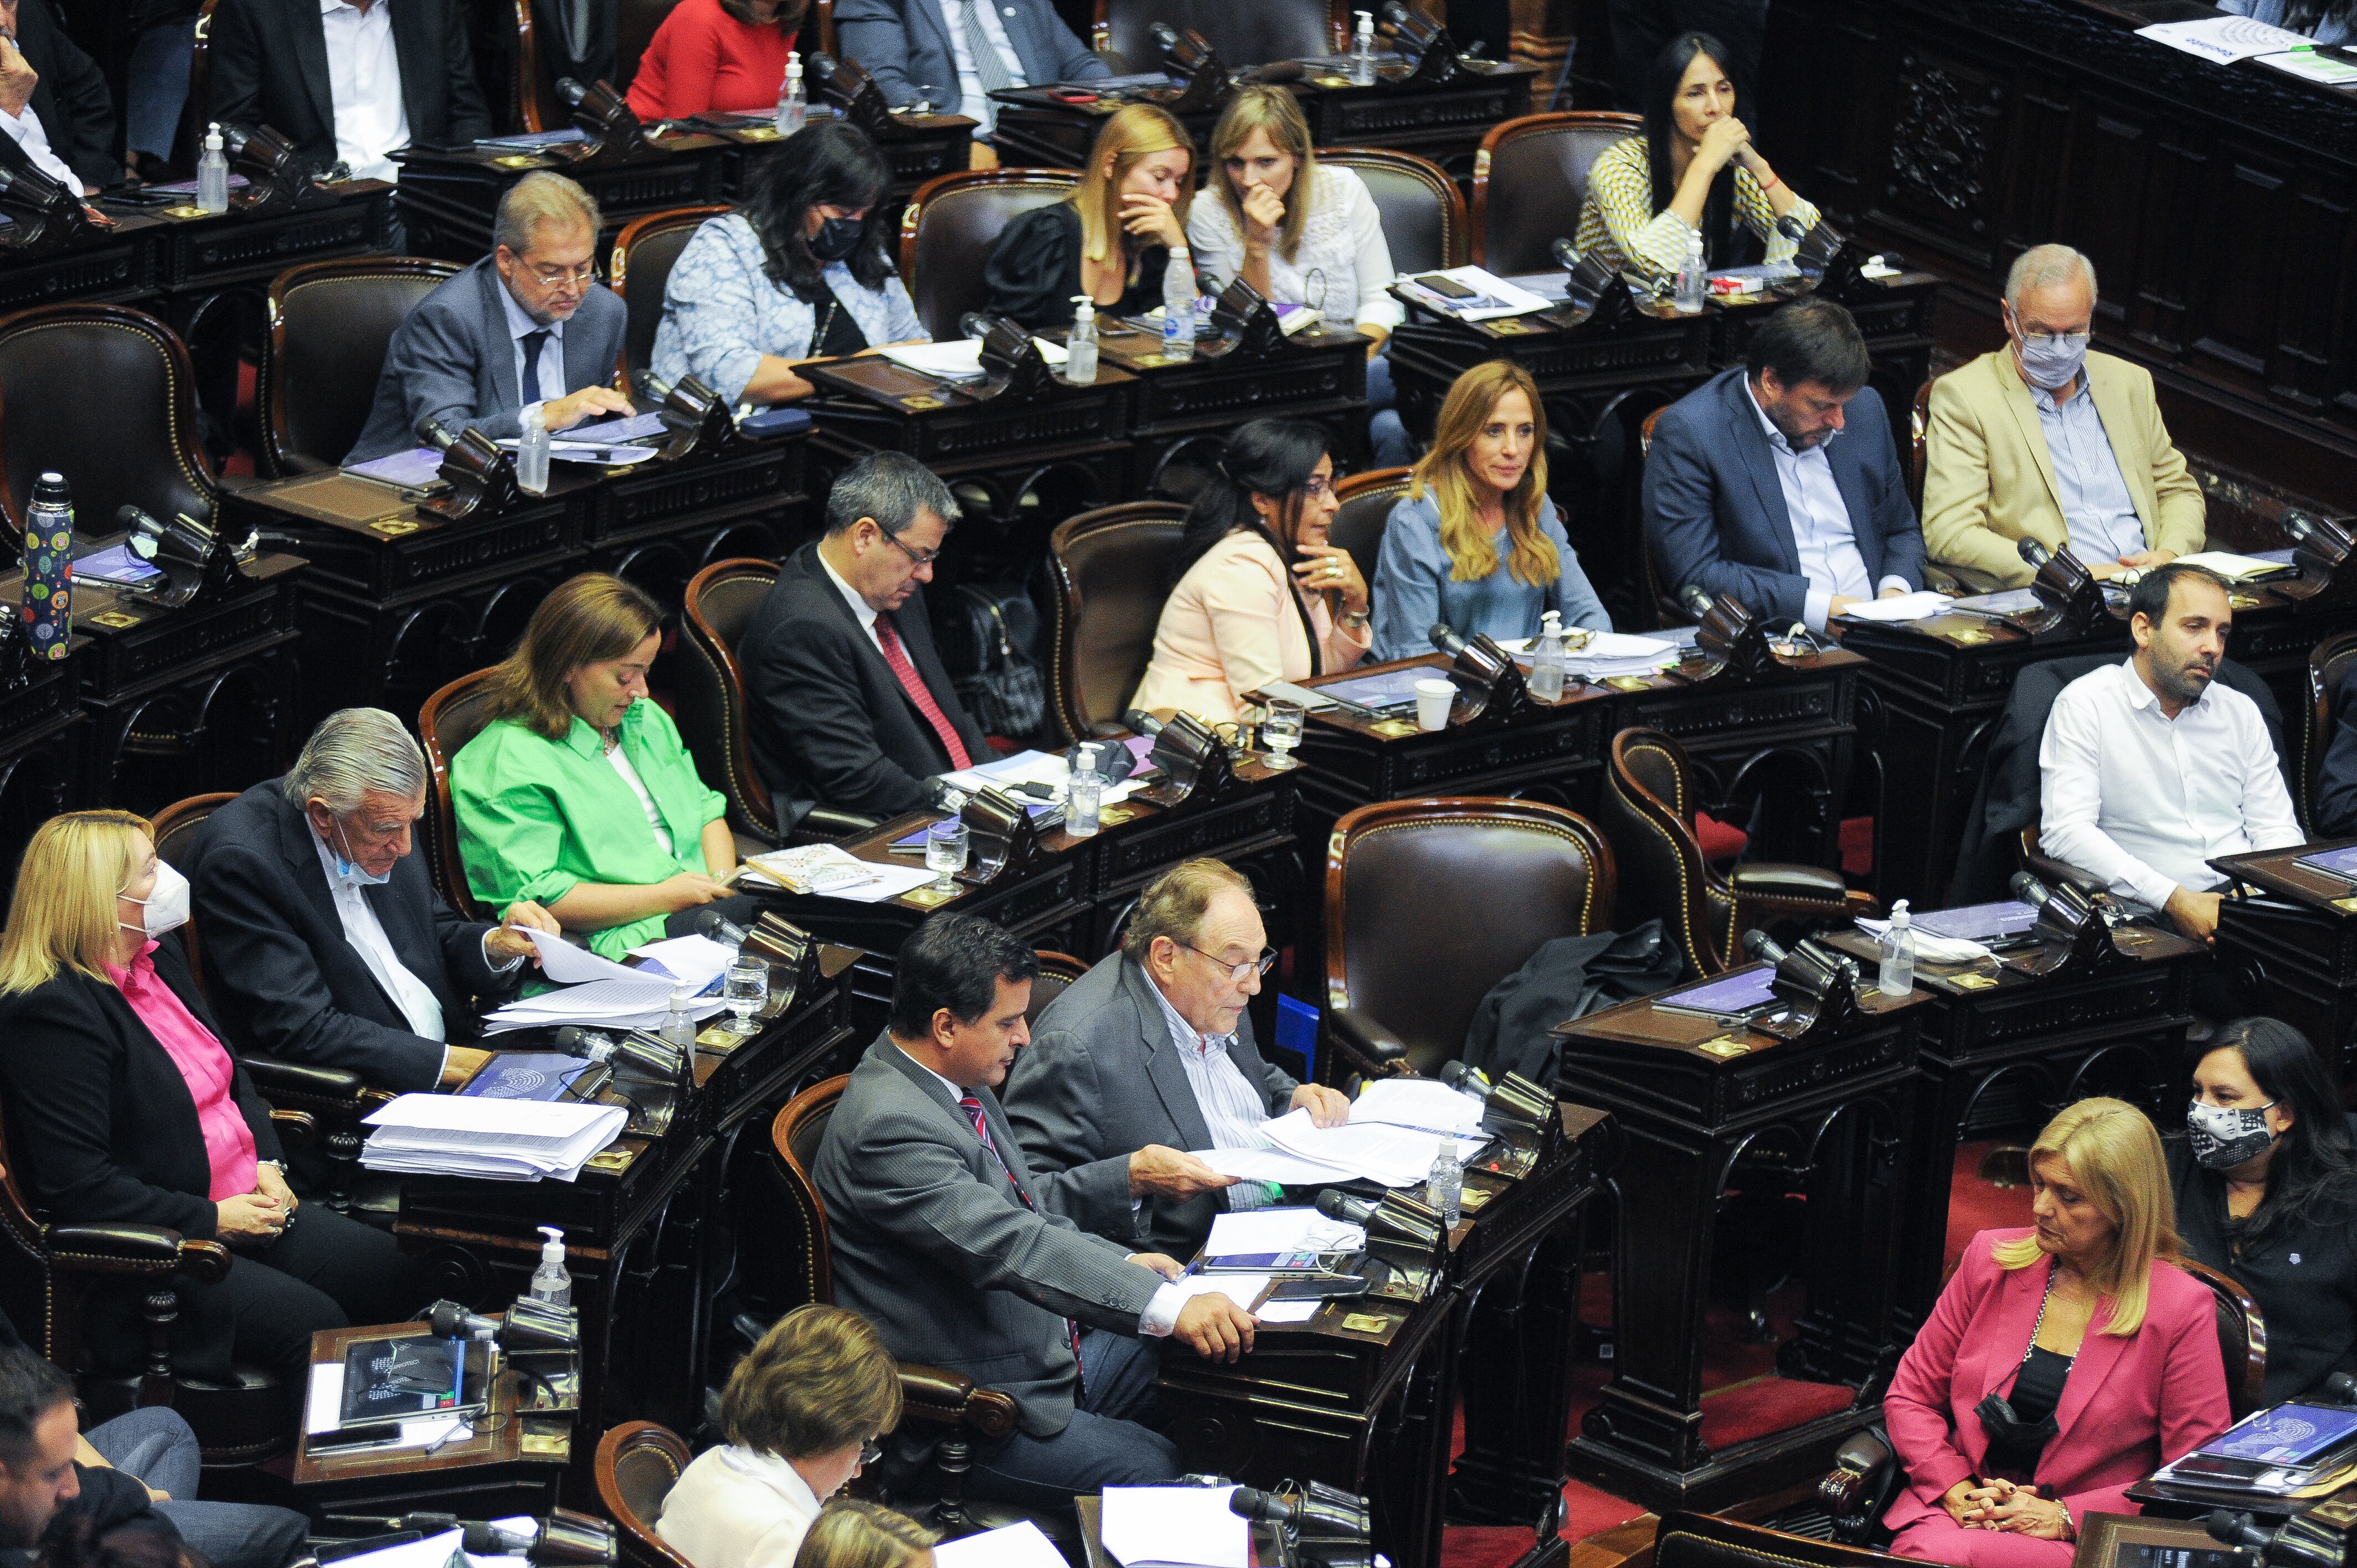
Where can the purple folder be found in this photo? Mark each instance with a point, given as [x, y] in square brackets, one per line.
[1729, 994]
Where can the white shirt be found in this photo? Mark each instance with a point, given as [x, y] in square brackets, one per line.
[364, 86]
[861, 610]
[621, 764]
[551, 369]
[419, 1006]
[1822, 534]
[974, 104]
[2144, 801]
[1161, 1314]
[738, 1508]
[1342, 267]
[26, 129]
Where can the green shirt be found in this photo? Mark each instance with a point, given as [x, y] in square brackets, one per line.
[536, 817]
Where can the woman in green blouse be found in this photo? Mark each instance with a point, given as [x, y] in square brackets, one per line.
[578, 794]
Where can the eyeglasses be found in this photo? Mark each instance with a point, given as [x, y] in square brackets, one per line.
[1238, 973]
[870, 1451]
[919, 557]
[2074, 340]
[552, 276]
[1317, 488]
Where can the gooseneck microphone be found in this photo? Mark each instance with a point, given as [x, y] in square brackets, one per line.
[1445, 640]
[1466, 1079]
[1336, 1203]
[2029, 889]
[1266, 1508]
[2036, 555]
[1758, 944]
[1694, 599]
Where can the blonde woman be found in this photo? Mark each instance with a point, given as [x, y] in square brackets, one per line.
[125, 1107]
[854, 1533]
[1301, 233]
[1476, 542]
[2062, 1363]
[579, 794]
[1112, 238]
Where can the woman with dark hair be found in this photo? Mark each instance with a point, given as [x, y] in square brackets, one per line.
[2265, 1179]
[1260, 595]
[2326, 21]
[797, 272]
[1693, 171]
[715, 56]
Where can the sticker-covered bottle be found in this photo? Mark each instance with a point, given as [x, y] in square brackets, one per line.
[49, 567]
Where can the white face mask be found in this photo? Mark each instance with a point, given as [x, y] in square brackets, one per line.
[347, 870]
[165, 907]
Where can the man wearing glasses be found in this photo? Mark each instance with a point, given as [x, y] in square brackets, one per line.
[1151, 1054]
[2042, 440]
[528, 326]
[847, 704]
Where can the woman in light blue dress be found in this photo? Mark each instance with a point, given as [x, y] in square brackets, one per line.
[1476, 542]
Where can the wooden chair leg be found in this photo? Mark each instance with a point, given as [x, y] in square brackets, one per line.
[341, 1147]
[161, 1308]
[954, 1458]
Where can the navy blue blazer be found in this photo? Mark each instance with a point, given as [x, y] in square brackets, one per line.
[905, 46]
[1715, 513]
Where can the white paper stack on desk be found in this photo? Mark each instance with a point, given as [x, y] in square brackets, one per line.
[601, 992]
[1188, 1526]
[501, 1140]
[1383, 1147]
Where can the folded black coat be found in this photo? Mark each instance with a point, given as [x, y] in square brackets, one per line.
[1567, 978]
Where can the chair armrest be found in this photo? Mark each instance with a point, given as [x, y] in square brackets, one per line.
[824, 824]
[126, 1249]
[1859, 1488]
[303, 1086]
[296, 1129]
[943, 1397]
[1813, 883]
[1373, 1049]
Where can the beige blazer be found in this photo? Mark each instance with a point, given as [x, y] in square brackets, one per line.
[735, 1507]
[1988, 481]
[1227, 629]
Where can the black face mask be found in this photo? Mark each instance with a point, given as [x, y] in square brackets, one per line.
[837, 238]
[2008, 1433]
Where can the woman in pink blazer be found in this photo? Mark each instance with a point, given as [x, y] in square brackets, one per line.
[1260, 595]
[2062, 1363]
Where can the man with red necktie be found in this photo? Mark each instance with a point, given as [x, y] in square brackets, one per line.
[847, 704]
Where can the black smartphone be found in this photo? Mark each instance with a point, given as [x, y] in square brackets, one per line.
[1446, 287]
[373, 1435]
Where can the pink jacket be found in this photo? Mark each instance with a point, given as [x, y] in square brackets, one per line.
[1228, 629]
[2131, 1404]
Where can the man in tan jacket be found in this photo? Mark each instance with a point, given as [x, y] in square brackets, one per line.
[2044, 440]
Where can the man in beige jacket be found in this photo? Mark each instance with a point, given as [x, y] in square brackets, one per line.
[2044, 440]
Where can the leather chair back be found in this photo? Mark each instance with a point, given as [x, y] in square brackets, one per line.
[330, 323]
[1366, 505]
[710, 695]
[1647, 811]
[535, 90]
[2241, 1339]
[795, 1135]
[1423, 211]
[188, 132]
[644, 254]
[1252, 33]
[174, 829]
[104, 396]
[1530, 181]
[638, 1463]
[1057, 972]
[950, 225]
[1416, 929]
[1668, 611]
[1111, 568]
[2326, 666]
[636, 22]
[450, 718]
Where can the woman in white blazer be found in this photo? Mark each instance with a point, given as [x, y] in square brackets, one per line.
[801, 1413]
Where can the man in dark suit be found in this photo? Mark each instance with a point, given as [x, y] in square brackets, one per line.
[846, 701]
[1755, 488]
[1150, 1054]
[528, 325]
[2335, 808]
[323, 940]
[928, 50]
[47, 82]
[944, 1240]
[348, 80]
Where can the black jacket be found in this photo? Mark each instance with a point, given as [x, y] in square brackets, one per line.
[101, 1121]
[2304, 1277]
[2334, 810]
[828, 720]
[269, 67]
[287, 980]
[77, 112]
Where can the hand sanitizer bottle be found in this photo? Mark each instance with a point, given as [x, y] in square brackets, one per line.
[1897, 952]
[1362, 49]
[1694, 277]
[1080, 343]
[1178, 305]
[212, 173]
[1546, 661]
[793, 109]
[1444, 1189]
[532, 452]
[678, 1028]
[552, 1283]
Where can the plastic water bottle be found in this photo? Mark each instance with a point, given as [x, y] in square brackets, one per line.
[1444, 1189]
[1694, 277]
[532, 452]
[1362, 49]
[678, 1028]
[1898, 950]
[793, 109]
[1547, 662]
[49, 567]
[1080, 343]
[1178, 305]
[552, 1281]
[212, 173]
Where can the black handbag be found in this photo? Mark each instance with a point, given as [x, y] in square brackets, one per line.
[993, 645]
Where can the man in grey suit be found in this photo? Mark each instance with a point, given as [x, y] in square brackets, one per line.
[942, 1238]
[1151, 1053]
[531, 315]
[952, 53]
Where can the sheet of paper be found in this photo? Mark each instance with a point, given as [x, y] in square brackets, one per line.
[636, 427]
[569, 965]
[888, 881]
[2310, 65]
[1932, 949]
[1175, 1524]
[323, 1407]
[959, 358]
[2225, 40]
[1920, 605]
[1271, 1164]
[1495, 296]
[1287, 1311]
[692, 961]
[419, 465]
[1281, 1230]
[1020, 1545]
[1417, 1103]
[2229, 565]
[1394, 1156]
[1603, 645]
[433, 1552]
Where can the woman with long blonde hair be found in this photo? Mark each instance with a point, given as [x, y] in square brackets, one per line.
[125, 1107]
[1476, 542]
[2062, 1364]
[1124, 223]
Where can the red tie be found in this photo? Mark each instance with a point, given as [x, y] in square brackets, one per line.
[898, 657]
[973, 1109]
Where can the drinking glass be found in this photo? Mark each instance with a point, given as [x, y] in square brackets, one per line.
[1282, 732]
[945, 844]
[747, 989]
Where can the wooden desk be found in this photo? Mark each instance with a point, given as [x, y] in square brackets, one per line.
[115, 267]
[1692, 1095]
[1368, 1409]
[1181, 413]
[447, 199]
[42, 733]
[2292, 940]
[2083, 1023]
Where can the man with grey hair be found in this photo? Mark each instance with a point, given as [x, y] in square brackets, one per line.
[323, 942]
[846, 701]
[2044, 440]
[527, 326]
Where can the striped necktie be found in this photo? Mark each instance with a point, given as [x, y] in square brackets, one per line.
[973, 1109]
[988, 69]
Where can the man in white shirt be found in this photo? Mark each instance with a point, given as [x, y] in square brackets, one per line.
[2150, 769]
[321, 937]
[348, 80]
[953, 54]
[1151, 1053]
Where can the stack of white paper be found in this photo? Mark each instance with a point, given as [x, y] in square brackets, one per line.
[1189, 1526]
[1021, 1546]
[1423, 1103]
[1253, 1230]
[1047, 768]
[1394, 1156]
[1921, 605]
[597, 991]
[503, 1140]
